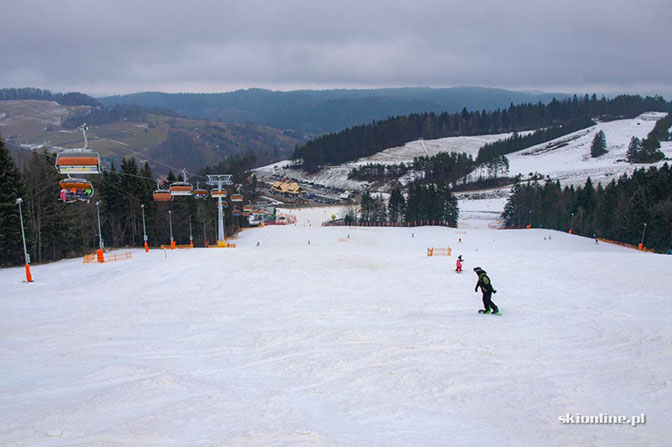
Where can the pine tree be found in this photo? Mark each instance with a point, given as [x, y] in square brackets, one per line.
[599, 146]
[635, 215]
[397, 205]
[651, 150]
[11, 188]
[644, 151]
[634, 149]
[450, 212]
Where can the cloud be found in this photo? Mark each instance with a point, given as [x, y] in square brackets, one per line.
[124, 46]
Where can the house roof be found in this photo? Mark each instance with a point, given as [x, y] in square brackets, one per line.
[289, 188]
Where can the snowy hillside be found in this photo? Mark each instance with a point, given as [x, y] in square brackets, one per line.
[570, 163]
[356, 338]
[337, 176]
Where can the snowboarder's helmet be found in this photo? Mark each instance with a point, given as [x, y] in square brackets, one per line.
[478, 269]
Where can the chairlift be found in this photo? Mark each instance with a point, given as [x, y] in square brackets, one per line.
[235, 212]
[78, 161]
[75, 189]
[245, 214]
[181, 188]
[200, 193]
[215, 193]
[162, 195]
[236, 197]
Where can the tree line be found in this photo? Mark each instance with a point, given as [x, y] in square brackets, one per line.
[373, 172]
[56, 230]
[66, 99]
[617, 211]
[517, 142]
[105, 115]
[425, 202]
[364, 140]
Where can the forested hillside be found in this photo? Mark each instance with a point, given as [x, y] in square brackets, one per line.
[155, 135]
[564, 116]
[318, 111]
[66, 99]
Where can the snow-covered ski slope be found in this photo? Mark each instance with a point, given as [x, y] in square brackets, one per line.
[570, 163]
[359, 340]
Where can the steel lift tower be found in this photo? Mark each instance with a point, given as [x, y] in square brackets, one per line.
[219, 180]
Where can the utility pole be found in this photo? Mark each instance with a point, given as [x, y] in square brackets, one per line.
[144, 229]
[101, 245]
[191, 237]
[29, 277]
[170, 224]
[571, 224]
[641, 244]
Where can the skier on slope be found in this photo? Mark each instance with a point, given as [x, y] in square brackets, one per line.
[486, 287]
[458, 267]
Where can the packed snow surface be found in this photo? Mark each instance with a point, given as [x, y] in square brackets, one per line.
[340, 336]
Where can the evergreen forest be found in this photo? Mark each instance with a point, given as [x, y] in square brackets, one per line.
[633, 209]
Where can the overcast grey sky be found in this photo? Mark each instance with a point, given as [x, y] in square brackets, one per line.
[106, 47]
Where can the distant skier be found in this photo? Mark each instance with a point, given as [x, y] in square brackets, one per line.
[458, 267]
[486, 287]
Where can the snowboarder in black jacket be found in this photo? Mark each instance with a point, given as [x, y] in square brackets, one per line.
[486, 287]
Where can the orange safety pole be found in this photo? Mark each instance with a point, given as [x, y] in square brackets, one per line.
[172, 245]
[101, 255]
[29, 277]
[146, 247]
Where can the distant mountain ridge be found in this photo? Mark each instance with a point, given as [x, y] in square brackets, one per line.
[321, 111]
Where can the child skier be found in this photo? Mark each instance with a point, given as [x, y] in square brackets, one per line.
[458, 268]
[486, 287]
